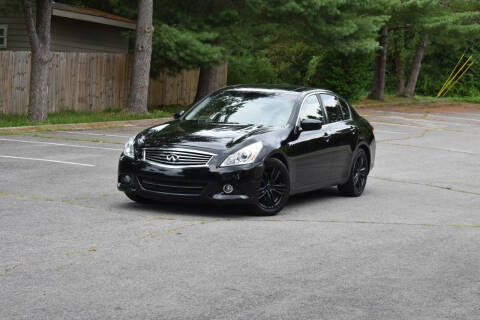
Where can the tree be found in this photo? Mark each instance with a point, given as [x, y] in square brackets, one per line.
[415, 67]
[137, 100]
[380, 65]
[421, 20]
[39, 34]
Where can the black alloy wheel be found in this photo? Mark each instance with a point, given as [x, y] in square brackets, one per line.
[358, 176]
[274, 188]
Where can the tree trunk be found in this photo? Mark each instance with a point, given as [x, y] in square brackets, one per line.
[39, 34]
[378, 83]
[415, 68]
[137, 100]
[37, 108]
[400, 75]
[206, 82]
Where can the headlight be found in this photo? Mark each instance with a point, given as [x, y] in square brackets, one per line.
[128, 150]
[245, 155]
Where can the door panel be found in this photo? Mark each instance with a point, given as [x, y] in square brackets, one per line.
[312, 157]
[310, 151]
[343, 137]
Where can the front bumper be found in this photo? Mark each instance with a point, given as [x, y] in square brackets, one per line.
[192, 184]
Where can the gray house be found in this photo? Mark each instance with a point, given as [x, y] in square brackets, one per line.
[73, 29]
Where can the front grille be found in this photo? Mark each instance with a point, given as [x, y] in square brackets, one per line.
[178, 188]
[177, 157]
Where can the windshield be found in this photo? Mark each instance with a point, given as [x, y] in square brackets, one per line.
[245, 107]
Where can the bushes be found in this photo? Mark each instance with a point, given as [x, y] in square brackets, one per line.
[347, 75]
[437, 64]
[251, 70]
[436, 68]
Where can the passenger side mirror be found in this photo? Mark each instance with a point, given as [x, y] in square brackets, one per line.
[178, 114]
[310, 124]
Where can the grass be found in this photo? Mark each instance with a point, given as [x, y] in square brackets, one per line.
[71, 116]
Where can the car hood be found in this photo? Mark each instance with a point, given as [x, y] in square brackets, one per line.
[199, 134]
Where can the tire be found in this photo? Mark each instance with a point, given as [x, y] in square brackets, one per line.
[135, 197]
[358, 176]
[274, 189]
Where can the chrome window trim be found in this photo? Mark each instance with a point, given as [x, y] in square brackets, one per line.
[178, 149]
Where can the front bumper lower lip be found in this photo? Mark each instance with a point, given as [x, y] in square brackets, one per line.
[244, 179]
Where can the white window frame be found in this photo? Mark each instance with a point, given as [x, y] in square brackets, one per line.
[5, 35]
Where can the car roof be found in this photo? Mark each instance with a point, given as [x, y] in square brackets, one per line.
[274, 87]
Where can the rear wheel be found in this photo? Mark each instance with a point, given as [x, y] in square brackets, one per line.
[135, 197]
[274, 189]
[358, 176]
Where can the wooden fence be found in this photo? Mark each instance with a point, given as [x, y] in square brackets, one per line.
[91, 81]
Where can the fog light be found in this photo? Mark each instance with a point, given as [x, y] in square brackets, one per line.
[126, 179]
[227, 188]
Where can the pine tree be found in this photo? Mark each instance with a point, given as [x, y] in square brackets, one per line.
[422, 20]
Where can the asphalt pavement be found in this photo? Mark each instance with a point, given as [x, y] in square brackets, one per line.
[73, 247]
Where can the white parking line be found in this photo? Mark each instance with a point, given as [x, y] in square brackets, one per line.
[59, 144]
[96, 134]
[47, 160]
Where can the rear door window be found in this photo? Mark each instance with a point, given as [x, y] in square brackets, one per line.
[345, 110]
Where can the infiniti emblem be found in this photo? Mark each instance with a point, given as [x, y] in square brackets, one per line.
[173, 157]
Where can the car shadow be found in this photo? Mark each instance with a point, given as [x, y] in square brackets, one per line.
[219, 211]
[311, 196]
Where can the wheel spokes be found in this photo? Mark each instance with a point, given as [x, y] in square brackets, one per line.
[360, 173]
[272, 188]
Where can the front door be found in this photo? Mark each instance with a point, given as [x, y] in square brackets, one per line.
[311, 152]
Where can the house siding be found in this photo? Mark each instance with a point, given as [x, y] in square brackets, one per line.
[17, 37]
[68, 35]
[74, 35]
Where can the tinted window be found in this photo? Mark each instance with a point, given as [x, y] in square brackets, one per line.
[332, 107]
[311, 109]
[345, 109]
[245, 107]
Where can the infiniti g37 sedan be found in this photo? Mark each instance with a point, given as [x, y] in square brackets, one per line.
[252, 145]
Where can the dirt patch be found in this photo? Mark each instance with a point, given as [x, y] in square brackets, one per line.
[425, 107]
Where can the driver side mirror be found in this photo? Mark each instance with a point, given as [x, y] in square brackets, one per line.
[310, 124]
[178, 114]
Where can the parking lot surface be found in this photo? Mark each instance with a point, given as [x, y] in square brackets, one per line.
[73, 247]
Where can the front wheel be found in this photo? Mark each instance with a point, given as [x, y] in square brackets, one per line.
[358, 176]
[274, 189]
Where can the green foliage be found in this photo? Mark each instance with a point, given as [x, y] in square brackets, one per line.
[438, 64]
[182, 49]
[324, 43]
[349, 75]
[251, 70]
[453, 27]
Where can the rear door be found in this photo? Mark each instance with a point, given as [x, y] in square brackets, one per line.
[343, 135]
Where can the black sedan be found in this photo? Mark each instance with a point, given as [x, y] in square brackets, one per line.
[254, 145]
